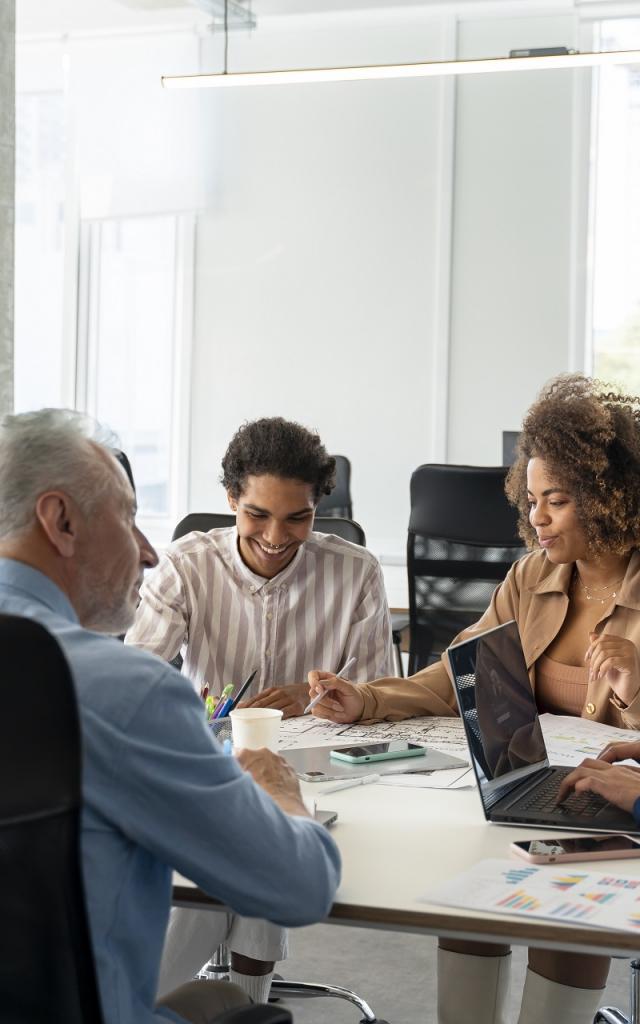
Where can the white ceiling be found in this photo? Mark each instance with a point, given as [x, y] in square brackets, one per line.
[38, 17]
[35, 17]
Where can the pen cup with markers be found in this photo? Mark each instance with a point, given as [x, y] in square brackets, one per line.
[221, 728]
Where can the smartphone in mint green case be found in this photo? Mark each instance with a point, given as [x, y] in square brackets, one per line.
[378, 752]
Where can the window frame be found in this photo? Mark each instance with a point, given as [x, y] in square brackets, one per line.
[158, 527]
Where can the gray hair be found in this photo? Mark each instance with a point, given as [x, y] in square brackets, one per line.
[50, 450]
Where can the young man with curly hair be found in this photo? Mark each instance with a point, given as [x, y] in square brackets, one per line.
[576, 600]
[269, 594]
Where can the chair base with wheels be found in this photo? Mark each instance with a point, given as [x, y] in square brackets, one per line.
[218, 968]
[282, 989]
[611, 1015]
[255, 1015]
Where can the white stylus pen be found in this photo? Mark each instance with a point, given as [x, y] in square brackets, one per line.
[345, 668]
[349, 783]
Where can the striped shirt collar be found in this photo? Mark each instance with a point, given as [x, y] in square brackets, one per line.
[255, 581]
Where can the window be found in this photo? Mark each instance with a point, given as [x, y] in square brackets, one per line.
[106, 186]
[134, 308]
[616, 212]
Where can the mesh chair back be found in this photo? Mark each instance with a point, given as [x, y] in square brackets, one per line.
[205, 521]
[47, 973]
[348, 529]
[338, 503]
[126, 465]
[462, 540]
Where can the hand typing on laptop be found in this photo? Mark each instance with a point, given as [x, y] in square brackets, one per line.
[618, 784]
[620, 752]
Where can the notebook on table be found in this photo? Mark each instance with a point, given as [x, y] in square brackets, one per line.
[517, 785]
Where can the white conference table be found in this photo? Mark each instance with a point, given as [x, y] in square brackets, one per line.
[398, 842]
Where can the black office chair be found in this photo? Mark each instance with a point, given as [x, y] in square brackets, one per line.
[47, 974]
[205, 521]
[126, 465]
[461, 543]
[338, 503]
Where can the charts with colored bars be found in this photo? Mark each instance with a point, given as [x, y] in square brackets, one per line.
[580, 897]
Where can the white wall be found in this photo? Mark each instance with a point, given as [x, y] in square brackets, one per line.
[324, 238]
[323, 254]
[512, 270]
[318, 267]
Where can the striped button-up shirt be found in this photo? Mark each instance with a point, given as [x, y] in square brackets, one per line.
[328, 605]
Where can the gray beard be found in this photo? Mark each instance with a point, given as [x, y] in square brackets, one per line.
[102, 612]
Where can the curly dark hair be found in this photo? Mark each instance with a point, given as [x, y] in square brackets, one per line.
[589, 437]
[281, 448]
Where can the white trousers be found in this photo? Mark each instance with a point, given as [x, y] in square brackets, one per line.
[194, 935]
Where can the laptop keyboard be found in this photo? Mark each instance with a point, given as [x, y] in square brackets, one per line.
[543, 799]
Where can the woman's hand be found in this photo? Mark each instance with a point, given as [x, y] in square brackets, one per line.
[342, 701]
[617, 784]
[617, 659]
[613, 752]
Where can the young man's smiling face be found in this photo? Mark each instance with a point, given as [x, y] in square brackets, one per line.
[274, 517]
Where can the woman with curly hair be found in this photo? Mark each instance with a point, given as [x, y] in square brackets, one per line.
[576, 600]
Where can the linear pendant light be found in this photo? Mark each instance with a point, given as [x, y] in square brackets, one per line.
[431, 69]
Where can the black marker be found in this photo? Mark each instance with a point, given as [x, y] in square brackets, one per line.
[243, 689]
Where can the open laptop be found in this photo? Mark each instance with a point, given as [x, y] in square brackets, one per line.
[326, 818]
[517, 784]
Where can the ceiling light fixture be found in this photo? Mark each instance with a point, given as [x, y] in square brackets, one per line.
[549, 59]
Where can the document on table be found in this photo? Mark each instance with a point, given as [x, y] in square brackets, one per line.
[445, 734]
[449, 778]
[569, 740]
[560, 893]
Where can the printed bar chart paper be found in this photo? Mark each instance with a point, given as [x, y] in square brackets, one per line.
[547, 891]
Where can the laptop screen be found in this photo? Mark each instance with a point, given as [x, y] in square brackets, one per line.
[498, 710]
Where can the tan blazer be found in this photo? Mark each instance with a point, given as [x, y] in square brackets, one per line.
[535, 594]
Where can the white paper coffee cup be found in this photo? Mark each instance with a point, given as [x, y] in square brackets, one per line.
[253, 728]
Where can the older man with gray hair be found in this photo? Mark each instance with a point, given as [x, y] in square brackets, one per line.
[157, 792]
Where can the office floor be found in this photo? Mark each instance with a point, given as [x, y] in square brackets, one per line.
[394, 973]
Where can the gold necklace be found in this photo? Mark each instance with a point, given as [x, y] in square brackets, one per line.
[590, 596]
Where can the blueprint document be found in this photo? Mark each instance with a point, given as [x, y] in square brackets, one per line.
[444, 734]
[569, 740]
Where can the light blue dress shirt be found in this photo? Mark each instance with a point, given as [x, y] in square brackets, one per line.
[159, 794]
